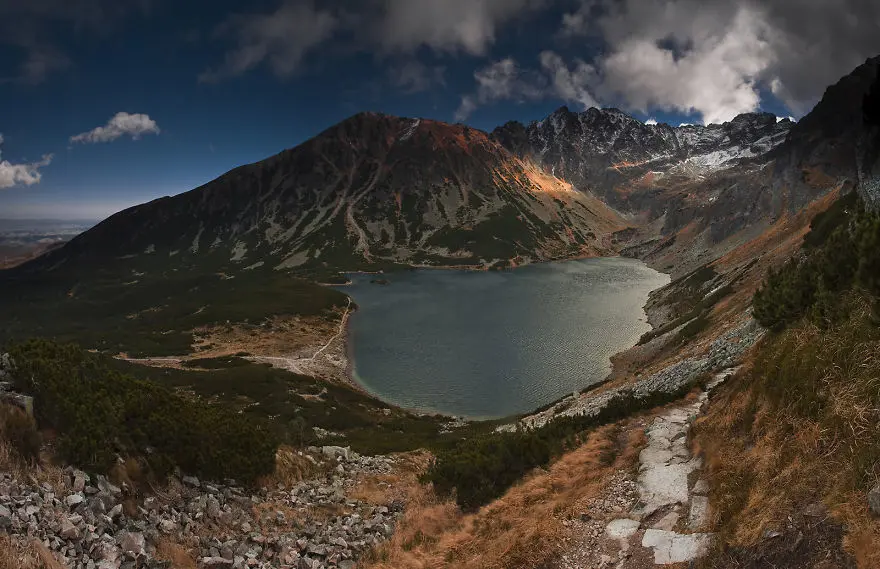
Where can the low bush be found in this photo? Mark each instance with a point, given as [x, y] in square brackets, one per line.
[841, 254]
[100, 414]
[480, 469]
[20, 430]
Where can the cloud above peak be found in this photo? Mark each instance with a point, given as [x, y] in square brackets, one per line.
[26, 174]
[718, 58]
[121, 124]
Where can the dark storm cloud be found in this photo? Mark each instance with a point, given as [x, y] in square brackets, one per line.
[450, 26]
[285, 35]
[281, 38]
[413, 76]
[26, 24]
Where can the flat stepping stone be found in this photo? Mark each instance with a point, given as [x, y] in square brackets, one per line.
[701, 487]
[622, 529]
[664, 485]
[653, 455]
[670, 547]
[668, 521]
[699, 514]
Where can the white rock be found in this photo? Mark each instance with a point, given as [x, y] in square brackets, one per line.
[701, 487]
[699, 514]
[74, 500]
[622, 529]
[670, 547]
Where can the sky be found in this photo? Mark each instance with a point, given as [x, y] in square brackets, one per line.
[108, 103]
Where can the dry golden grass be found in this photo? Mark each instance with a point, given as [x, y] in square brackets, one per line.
[290, 468]
[766, 461]
[25, 553]
[523, 528]
[42, 472]
[401, 484]
[174, 553]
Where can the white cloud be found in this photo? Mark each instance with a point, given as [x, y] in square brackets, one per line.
[134, 125]
[26, 174]
[281, 38]
[570, 84]
[717, 57]
[651, 122]
[506, 80]
[711, 72]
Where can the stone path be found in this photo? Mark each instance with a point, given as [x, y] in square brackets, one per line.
[656, 516]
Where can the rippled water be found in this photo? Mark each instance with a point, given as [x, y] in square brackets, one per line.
[490, 344]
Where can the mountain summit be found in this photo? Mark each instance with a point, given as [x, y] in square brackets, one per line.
[371, 190]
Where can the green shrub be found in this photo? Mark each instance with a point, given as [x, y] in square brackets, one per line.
[100, 413]
[843, 257]
[480, 469]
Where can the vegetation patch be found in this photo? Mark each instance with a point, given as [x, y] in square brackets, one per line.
[100, 414]
[794, 438]
[482, 468]
[150, 314]
[843, 255]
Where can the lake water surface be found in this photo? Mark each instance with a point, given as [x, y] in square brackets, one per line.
[490, 344]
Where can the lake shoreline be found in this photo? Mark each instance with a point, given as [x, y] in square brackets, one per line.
[354, 380]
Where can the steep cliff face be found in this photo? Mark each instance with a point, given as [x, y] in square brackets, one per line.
[688, 188]
[371, 190]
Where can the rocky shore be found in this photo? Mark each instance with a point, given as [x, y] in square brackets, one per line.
[724, 352]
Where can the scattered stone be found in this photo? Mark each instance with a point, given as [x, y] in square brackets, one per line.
[191, 481]
[89, 528]
[132, 543]
[74, 500]
[701, 487]
[68, 531]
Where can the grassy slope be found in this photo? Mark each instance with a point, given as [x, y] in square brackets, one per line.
[794, 436]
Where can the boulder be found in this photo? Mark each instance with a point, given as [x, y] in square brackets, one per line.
[132, 543]
[74, 500]
[335, 452]
[68, 530]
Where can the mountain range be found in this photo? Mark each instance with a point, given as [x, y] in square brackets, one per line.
[377, 192]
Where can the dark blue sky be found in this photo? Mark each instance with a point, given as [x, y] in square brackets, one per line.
[219, 84]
